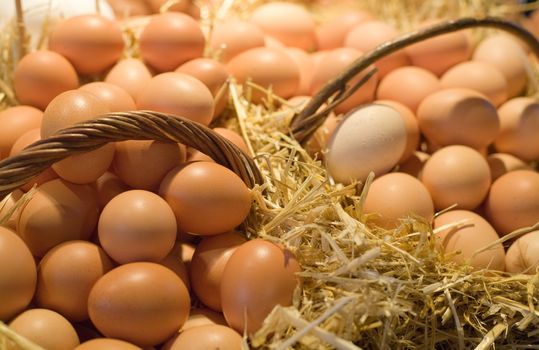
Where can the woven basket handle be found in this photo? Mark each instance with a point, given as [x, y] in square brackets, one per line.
[305, 123]
[139, 125]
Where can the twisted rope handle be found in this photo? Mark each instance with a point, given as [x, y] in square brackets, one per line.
[139, 125]
[305, 123]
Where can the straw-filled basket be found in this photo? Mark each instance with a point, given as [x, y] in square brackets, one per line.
[363, 287]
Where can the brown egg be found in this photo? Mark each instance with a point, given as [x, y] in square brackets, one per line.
[479, 76]
[519, 128]
[46, 328]
[414, 164]
[412, 127]
[268, 68]
[179, 94]
[502, 163]
[523, 254]
[201, 317]
[331, 35]
[67, 109]
[289, 23]
[368, 35]
[116, 98]
[258, 276]
[137, 225]
[42, 75]
[397, 195]
[512, 202]
[458, 116]
[232, 37]
[206, 337]
[169, 40]
[457, 175]
[214, 75]
[178, 6]
[440, 53]
[15, 122]
[174, 263]
[408, 85]
[507, 55]
[106, 344]
[232, 136]
[21, 143]
[65, 276]
[142, 164]
[306, 68]
[475, 235]
[206, 269]
[131, 75]
[206, 198]
[331, 65]
[142, 303]
[107, 187]
[92, 43]
[129, 8]
[58, 211]
[17, 274]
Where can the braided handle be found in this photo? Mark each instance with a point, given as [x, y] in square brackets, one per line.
[139, 125]
[305, 123]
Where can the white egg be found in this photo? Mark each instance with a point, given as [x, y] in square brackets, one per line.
[370, 138]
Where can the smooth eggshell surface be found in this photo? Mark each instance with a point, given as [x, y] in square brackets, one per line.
[206, 337]
[116, 98]
[523, 254]
[15, 122]
[201, 317]
[230, 38]
[502, 163]
[370, 138]
[258, 276]
[331, 35]
[106, 343]
[130, 74]
[473, 236]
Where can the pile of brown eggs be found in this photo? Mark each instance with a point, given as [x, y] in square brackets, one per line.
[103, 256]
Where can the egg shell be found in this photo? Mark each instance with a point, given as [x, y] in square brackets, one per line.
[458, 116]
[331, 65]
[475, 235]
[519, 128]
[178, 6]
[267, 67]
[142, 303]
[201, 317]
[92, 43]
[108, 186]
[523, 255]
[331, 35]
[502, 163]
[395, 196]
[42, 75]
[15, 122]
[457, 175]
[408, 85]
[179, 94]
[289, 23]
[137, 225]
[232, 37]
[116, 98]
[45, 328]
[507, 55]
[130, 74]
[305, 66]
[169, 40]
[69, 108]
[214, 75]
[206, 337]
[106, 343]
[442, 52]
[232, 136]
[479, 76]
[174, 263]
[208, 263]
[370, 138]
[58, 211]
[412, 127]
[142, 164]
[65, 276]
[206, 198]
[414, 164]
[368, 35]
[513, 201]
[258, 276]
[17, 274]
[130, 8]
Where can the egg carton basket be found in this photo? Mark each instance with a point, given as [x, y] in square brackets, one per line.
[362, 287]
